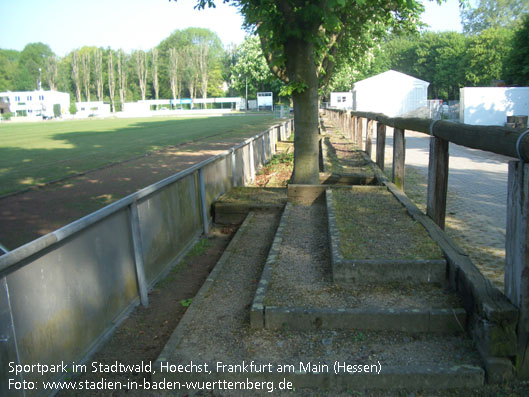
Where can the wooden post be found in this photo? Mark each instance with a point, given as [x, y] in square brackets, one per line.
[359, 132]
[350, 131]
[369, 137]
[399, 155]
[381, 145]
[353, 129]
[517, 257]
[437, 181]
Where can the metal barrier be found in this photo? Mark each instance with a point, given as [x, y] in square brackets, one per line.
[64, 293]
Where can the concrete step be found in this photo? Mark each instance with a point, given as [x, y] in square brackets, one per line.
[216, 344]
[233, 206]
[296, 289]
[374, 239]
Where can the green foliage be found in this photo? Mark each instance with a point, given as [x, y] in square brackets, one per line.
[517, 69]
[293, 87]
[250, 68]
[486, 55]
[448, 60]
[57, 110]
[7, 115]
[493, 14]
[73, 108]
[8, 69]
[186, 302]
[32, 58]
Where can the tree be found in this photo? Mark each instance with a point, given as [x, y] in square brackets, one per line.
[31, 63]
[155, 72]
[173, 73]
[493, 14]
[250, 67]
[111, 80]
[486, 55]
[52, 72]
[122, 78]
[303, 41]
[98, 70]
[141, 69]
[85, 73]
[8, 69]
[76, 75]
[517, 68]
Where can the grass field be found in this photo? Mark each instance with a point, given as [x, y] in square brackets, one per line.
[37, 153]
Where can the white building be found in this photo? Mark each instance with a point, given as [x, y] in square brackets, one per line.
[391, 93]
[36, 103]
[265, 101]
[492, 105]
[342, 100]
[92, 109]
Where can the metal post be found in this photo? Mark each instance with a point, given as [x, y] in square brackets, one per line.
[234, 168]
[138, 253]
[203, 201]
[252, 164]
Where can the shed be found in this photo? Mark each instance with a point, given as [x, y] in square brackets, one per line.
[391, 93]
[492, 105]
[342, 100]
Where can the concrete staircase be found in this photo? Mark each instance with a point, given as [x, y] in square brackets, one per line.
[293, 304]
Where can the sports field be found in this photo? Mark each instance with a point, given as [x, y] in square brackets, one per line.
[36, 153]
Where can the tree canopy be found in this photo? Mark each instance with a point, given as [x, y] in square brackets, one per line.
[303, 41]
[517, 70]
[493, 14]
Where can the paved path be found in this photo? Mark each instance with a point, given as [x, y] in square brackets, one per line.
[477, 198]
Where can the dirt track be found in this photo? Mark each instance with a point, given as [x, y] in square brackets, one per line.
[32, 214]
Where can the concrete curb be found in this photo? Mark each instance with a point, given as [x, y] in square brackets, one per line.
[257, 312]
[353, 178]
[359, 271]
[446, 321]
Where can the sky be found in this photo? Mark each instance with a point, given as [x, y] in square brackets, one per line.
[66, 25]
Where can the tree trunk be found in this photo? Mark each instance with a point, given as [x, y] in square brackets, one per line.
[98, 68]
[75, 75]
[301, 66]
[111, 80]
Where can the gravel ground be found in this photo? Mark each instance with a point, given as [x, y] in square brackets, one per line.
[219, 331]
[302, 275]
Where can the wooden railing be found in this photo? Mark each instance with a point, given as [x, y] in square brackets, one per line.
[478, 292]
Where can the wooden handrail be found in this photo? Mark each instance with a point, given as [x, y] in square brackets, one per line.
[495, 139]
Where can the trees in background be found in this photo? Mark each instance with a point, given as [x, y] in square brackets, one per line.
[249, 69]
[188, 63]
[517, 68]
[303, 41]
[448, 60]
[493, 14]
[111, 80]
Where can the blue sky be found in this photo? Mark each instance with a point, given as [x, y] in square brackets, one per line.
[137, 24]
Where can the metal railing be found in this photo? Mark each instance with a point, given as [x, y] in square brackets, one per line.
[64, 293]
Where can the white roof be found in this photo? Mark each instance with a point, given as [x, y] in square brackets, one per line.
[390, 78]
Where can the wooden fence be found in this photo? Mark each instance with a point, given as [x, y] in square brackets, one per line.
[499, 322]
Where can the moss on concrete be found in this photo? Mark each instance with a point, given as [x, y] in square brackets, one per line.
[373, 225]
